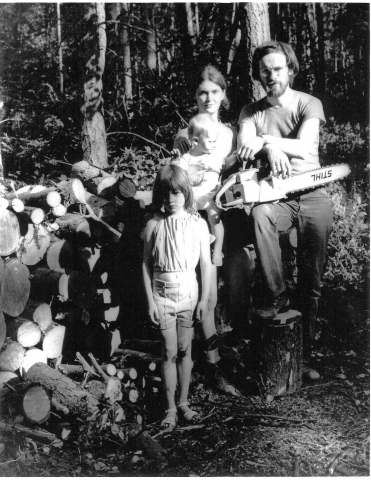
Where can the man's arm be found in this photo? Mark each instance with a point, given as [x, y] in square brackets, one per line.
[297, 147]
[248, 143]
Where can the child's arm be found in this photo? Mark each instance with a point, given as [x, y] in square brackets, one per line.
[147, 270]
[205, 264]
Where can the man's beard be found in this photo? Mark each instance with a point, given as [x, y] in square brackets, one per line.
[275, 90]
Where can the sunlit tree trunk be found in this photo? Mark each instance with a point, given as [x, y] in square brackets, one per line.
[236, 39]
[255, 30]
[149, 12]
[321, 48]
[126, 55]
[190, 28]
[95, 42]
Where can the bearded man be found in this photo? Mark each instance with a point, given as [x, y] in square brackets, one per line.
[284, 126]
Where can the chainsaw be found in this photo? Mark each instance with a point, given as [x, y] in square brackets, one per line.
[245, 188]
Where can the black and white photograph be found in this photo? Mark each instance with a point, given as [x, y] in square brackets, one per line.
[184, 239]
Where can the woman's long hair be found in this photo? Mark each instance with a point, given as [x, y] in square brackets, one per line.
[172, 178]
[211, 74]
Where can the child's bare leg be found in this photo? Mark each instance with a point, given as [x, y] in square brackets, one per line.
[185, 364]
[169, 370]
[217, 230]
[208, 323]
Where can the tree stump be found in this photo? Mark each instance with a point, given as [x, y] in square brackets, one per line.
[276, 354]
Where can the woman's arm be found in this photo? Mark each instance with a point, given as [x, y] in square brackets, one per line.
[205, 264]
[147, 270]
[181, 144]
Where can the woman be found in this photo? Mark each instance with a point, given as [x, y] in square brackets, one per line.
[211, 96]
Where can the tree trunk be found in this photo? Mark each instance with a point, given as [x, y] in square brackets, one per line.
[255, 30]
[321, 49]
[149, 12]
[190, 29]
[93, 131]
[126, 54]
[94, 179]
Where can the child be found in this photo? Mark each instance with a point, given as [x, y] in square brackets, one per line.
[176, 238]
[204, 165]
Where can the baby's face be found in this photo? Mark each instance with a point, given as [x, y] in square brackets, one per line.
[207, 140]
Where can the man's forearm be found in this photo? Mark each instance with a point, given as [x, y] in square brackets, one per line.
[293, 147]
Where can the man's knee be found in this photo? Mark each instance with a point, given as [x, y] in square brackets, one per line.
[262, 211]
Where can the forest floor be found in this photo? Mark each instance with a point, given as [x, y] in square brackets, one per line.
[322, 429]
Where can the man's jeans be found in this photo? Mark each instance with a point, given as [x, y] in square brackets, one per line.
[311, 214]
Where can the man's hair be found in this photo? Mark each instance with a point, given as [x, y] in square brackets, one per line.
[170, 178]
[211, 74]
[200, 123]
[275, 47]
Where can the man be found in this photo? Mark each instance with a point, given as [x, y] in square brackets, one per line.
[285, 126]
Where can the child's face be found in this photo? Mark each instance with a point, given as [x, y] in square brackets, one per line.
[174, 202]
[207, 140]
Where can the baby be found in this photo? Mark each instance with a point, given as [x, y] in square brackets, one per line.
[204, 165]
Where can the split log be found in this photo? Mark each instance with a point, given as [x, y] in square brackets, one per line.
[2, 329]
[74, 223]
[34, 244]
[276, 353]
[64, 390]
[53, 341]
[72, 191]
[45, 284]
[25, 332]
[61, 256]
[80, 289]
[36, 404]
[40, 435]
[11, 356]
[15, 287]
[32, 356]
[95, 179]
[9, 232]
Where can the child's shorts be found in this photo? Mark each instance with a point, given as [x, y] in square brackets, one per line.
[175, 302]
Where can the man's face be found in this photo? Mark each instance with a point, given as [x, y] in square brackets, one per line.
[274, 74]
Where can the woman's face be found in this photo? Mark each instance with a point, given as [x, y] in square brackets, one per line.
[209, 96]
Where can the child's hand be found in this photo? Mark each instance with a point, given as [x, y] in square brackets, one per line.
[153, 313]
[202, 310]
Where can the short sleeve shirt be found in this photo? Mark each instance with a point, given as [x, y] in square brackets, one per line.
[285, 122]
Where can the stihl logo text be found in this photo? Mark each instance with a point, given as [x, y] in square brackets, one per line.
[322, 175]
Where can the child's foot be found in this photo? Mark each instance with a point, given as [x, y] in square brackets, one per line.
[187, 413]
[217, 258]
[171, 419]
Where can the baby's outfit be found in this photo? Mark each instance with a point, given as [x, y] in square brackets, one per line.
[176, 248]
[203, 173]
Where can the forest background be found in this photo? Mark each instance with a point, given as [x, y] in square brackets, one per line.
[132, 64]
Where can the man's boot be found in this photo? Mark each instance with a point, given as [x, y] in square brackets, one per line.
[280, 304]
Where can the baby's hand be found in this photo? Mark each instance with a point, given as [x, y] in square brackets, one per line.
[181, 146]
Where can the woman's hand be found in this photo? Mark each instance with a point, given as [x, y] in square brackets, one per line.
[181, 146]
[279, 161]
[248, 150]
[153, 313]
[202, 310]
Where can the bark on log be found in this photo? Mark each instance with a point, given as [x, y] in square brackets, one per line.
[36, 404]
[72, 191]
[34, 244]
[94, 179]
[61, 256]
[71, 370]
[9, 232]
[25, 332]
[277, 353]
[2, 329]
[53, 341]
[153, 347]
[64, 390]
[74, 223]
[45, 284]
[37, 434]
[15, 287]
[32, 356]
[102, 208]
[11, 356]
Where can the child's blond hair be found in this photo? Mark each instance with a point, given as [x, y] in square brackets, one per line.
[200, 123]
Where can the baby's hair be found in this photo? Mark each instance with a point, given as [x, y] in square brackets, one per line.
[170, 178]
[200, 123]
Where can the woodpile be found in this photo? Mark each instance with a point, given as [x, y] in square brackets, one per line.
[58, 297]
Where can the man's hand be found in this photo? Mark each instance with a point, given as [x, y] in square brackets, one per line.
[279, 161]
[247, 151]
[181, 146]
[153, 313]
[201, 312]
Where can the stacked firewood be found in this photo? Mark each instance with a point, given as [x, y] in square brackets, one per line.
[56, 286]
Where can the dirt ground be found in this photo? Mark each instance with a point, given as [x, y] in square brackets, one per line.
[320, 430]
